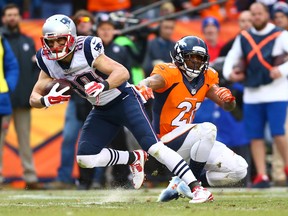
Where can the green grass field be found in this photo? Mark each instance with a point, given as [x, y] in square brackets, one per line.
[230, 202]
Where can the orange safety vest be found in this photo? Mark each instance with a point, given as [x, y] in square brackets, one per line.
[256, 48]
[107, 5]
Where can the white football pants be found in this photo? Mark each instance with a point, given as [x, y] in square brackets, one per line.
[223, 166]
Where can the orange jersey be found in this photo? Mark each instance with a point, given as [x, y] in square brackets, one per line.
[176, 103]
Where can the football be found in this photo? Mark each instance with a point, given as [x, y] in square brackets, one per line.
[63, 83]
[240, 65]
[280, 59]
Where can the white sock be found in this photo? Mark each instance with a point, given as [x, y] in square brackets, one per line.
[107, 157]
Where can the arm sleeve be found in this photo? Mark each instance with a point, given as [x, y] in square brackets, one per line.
[212, 77]
[167, 75]
[40, 62]
[11, 66]
[281, 47]
[234, 55]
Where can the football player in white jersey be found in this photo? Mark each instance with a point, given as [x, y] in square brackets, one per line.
[102, 81]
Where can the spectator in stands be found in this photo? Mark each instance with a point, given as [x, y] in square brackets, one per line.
[8, 81]
[51, 7]
[244, 22]
[280, 14]
[159, 49]
[24, 50]
[218, 11]
[265, 92]
[210, 30]
[166, 8]
[230, 125]
[269, 4]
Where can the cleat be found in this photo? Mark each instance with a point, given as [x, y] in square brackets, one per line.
[261, 181]
[184, 190]
[201, 195]
[137, 168]
[170, 192]
[261, 184]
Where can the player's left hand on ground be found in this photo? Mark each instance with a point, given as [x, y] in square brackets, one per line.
[55, 97]
[145, 91]
[93, 89]
[224, 94]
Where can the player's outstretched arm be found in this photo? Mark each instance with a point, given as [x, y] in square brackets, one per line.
[150, 84]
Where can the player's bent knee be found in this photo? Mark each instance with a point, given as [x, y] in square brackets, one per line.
[209, 130]
[241, 168]
[231, 172]
[240, 174]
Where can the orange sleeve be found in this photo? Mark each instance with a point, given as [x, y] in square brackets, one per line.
[212, 77]
[167, 71]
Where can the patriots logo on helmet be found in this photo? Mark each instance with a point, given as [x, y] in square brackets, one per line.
[65, 21]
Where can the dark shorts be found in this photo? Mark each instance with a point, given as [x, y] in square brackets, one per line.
[103, 123]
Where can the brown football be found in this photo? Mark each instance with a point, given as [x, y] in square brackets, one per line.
[240, 65]
[280, 59]
[63, 83]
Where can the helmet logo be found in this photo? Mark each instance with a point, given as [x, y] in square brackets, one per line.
[65, 21]
[182, 43]
[98, 46]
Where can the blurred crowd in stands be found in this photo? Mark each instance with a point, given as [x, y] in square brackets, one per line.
[106, 19]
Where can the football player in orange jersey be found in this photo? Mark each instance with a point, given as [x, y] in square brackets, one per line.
[179, 89]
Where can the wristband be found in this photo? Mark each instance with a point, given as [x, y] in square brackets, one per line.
[106, 85]
[42, 100]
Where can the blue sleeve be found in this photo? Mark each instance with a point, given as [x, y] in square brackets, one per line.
[40, 62]
[11, 66]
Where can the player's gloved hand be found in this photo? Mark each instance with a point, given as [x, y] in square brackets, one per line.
[93, 89]
[224, 94]
[55, 97]
[146, 92]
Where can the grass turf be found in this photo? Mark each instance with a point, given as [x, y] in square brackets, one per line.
[230, 202]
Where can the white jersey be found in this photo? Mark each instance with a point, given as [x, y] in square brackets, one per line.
[81, 71]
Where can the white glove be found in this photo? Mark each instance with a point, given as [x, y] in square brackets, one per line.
[55, 97]
[93, 89]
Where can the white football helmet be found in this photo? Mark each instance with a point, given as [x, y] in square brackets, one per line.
[55, 27]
